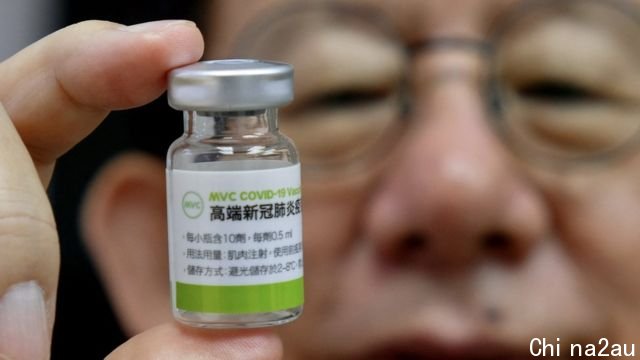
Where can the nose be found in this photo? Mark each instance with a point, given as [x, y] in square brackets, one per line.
[452, 195]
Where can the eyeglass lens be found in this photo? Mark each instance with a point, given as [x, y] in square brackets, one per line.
[565, 79]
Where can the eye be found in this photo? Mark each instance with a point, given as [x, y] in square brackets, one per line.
[338, 126]
[558, 92]
[568, 79]
[350, 78]
[348, 98]
[568, 119]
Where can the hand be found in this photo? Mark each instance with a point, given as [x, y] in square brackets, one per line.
[54, 93]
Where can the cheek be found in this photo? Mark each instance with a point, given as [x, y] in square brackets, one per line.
[331, 217]
[333, 208]
[605, 238]
[597, 217]
[330, 224]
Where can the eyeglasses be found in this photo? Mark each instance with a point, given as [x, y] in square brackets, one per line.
[563, 84]
[565, 80]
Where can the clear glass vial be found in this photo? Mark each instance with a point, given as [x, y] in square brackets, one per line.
[233, 196]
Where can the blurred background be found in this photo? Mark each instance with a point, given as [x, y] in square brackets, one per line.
[23, 22]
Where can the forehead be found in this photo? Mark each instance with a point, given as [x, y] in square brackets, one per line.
[412, 19]
[417, 19]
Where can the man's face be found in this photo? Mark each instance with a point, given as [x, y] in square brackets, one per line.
[445, 244]
[448, 245]
[425, 236]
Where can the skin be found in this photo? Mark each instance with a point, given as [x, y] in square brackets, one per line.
[452, 247]
[565, 270]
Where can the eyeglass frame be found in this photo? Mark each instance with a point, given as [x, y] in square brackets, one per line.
[486, 48]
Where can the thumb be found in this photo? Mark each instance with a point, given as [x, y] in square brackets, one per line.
[24, 323]
[175, 341]
[29, 256]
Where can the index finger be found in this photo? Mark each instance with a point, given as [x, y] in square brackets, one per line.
[59, 89]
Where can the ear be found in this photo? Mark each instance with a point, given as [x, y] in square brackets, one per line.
[125, 230]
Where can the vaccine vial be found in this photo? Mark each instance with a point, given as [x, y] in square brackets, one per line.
[233, 195]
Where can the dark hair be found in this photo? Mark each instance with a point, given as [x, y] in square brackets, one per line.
[85, 325]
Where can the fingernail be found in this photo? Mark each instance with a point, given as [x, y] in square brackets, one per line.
[24, 331]
[157, 26]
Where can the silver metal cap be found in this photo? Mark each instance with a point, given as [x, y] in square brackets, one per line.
[231, 85]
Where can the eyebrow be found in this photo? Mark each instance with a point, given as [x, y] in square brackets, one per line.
[291, 8]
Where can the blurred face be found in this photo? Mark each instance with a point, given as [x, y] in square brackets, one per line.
[425, 235]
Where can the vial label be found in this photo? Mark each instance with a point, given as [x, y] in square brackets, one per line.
[235, 240]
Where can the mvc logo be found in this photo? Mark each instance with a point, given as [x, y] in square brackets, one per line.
[192, 205]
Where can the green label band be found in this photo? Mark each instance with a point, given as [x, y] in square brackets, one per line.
[240, 299]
